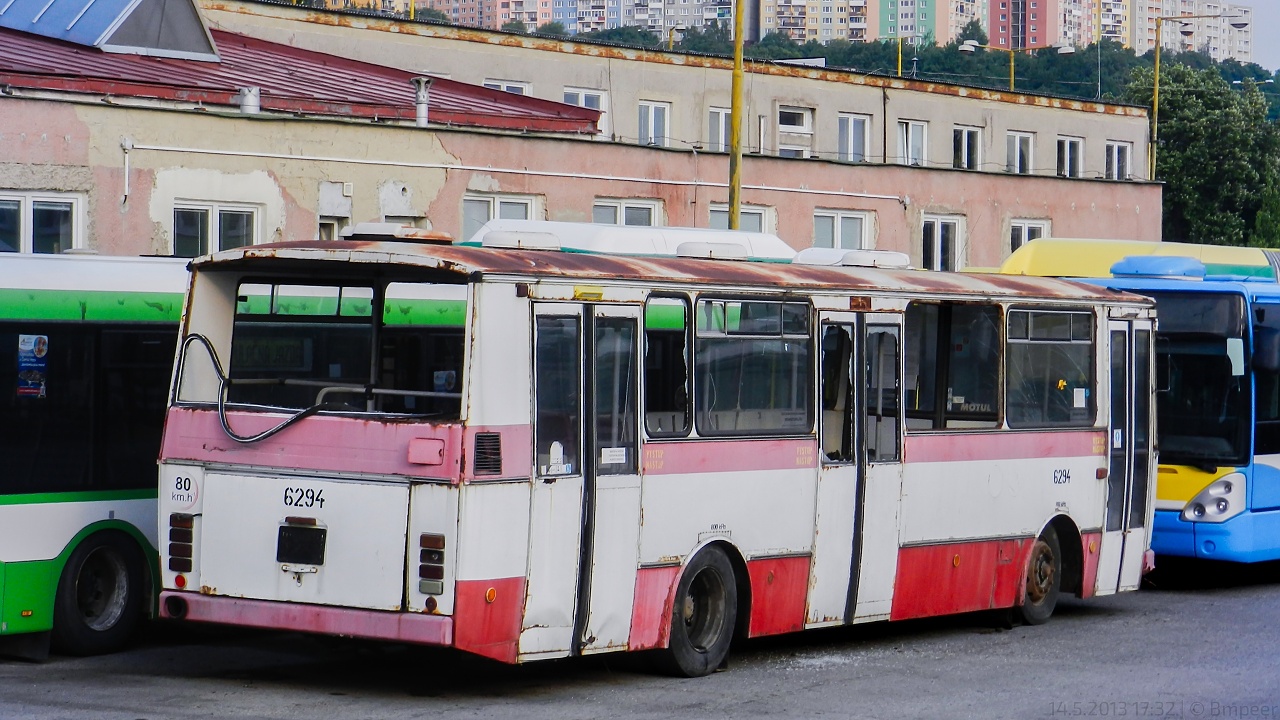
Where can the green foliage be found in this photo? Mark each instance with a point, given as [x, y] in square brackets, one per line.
[1266, 226]
[432, 14]
[973, 31]
[628, 35]
[715, 39]
[514, 26]
[1216, 153]
[555, 28]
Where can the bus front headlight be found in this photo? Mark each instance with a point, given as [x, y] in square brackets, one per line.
[1221, 501]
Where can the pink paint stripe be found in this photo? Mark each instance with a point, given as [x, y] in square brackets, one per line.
[702, 456]
[960, 447]
[374, 625]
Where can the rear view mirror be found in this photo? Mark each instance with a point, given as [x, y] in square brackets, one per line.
[1266, 349]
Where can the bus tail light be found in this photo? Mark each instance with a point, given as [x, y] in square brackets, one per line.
[431, 564]
[181, 539]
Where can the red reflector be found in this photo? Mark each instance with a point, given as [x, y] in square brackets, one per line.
[431, 541]
[431, 572]
[182, 520]
[180, 582]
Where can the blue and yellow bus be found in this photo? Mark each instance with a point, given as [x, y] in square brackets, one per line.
[1218, 384]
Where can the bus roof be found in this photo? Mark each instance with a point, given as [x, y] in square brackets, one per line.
[628, 240]
[470, 261]
[91, 288]
[1081, 258]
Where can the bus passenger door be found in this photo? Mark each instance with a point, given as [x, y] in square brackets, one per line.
[611, 511]
[556, 507]
[879, 508]
[1124, 537]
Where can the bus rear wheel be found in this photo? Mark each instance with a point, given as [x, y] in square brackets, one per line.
[99, 601]
[1044, 579]
[703, 617]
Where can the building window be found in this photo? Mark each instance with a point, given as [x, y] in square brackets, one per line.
[1019, 148]
[1022, 232]
[1118, 154]
[911, 142]
[853, 137]
[839, 229]
[795, 120]
[37, 222]
[511, 86]
[749, 218]
[653, 123]
[793, 151]
[941, 245]
[964, 147]
[480, 209]
[719, 125]
[201, 229]
[593, 99]
[1070, 151]
[642, 213]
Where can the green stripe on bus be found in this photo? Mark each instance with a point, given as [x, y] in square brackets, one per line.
[69, 497]
[452, 313]
[1258, 271]
[101, 306]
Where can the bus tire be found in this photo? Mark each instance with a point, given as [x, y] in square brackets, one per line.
[703, 616]
[1044, 579]
[100, 596]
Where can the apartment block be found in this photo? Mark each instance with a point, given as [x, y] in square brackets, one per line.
[1215, 35]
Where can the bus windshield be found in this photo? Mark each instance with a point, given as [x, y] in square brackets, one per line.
[1203, 404]
[349, 347]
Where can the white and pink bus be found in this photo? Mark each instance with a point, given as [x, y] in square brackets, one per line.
[537, 445]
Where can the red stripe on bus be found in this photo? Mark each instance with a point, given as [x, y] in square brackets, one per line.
[704, 456]
[960, 447]
[1090, 546]
[779, 588]
[370, 624]
[959, 577]
[651, 611]
[486, 617]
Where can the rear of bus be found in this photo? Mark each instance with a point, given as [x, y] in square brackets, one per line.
[310, 467]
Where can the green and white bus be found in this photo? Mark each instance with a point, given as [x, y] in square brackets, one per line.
[86, 348]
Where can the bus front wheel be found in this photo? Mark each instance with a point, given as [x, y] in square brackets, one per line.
[1044, 579]
[703, 617]
[99, 600]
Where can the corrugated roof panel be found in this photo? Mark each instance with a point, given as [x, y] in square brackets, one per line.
[290, 80]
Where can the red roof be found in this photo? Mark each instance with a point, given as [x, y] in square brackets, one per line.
[290, 79]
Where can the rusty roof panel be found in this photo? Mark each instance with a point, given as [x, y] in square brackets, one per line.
[573, 267]
[290, 79]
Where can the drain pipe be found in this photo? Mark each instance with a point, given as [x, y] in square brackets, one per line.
[422, 85]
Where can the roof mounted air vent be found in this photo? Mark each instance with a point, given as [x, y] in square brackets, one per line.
[711, 250]
[394, 232]
[853, 258]
[1166, 267]
[520, 240]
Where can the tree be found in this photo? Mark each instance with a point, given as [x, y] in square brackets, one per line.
[513, 26]
[715, 39]
[1266, 226]
[1216, 153]
[973, 31]
[774, 46]
[555, 28]
[432, 14]
[626, 35]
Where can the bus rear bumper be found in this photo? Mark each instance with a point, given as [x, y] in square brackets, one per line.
[1243, 538]
[371, 624]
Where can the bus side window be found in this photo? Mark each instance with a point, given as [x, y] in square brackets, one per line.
[557, 377]
[953, 366]
[666, 367]
[882, 394]
[837, 381]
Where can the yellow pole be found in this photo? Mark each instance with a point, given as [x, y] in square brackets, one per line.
[899, 56]
[1155, 108]
[735, 122]
[1011, 55]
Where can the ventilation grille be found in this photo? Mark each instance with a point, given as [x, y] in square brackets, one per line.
[488, 460]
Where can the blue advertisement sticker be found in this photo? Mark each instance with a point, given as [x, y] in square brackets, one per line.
[33, 365]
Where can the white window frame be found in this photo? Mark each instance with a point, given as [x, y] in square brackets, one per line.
[1070, 156]
[718, 217]
[1113, 165]
[213, 228]
[788, 150]
[719, 124]
[1020, 230]
[27, 200]
[646, 121]
[838, 218]
[580, 96]
[620, 207]
[967, 160]
[1013, 142]
[959, 249]
[908, 132]
[496, 203]
[515, 87]
[806, 116]
[853, 146]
